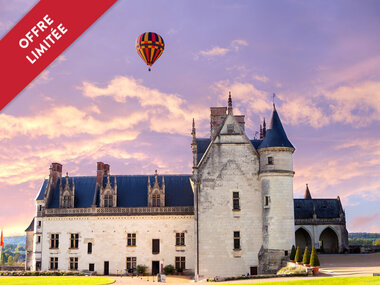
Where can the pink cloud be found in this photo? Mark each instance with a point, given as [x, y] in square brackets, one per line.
[366, 223]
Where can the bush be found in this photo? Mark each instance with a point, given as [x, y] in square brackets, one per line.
[292, 271]
[292, 253]
[179, 270]
[298, 257]
[169, 269]
[306, 256]
[141, 269]
[314, 260]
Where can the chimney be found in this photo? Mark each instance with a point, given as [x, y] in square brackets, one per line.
[240, 120]
[217, 115]
[100, 172]
[106, 169]
[55, 172]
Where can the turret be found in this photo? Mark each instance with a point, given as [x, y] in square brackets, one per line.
[276, 177]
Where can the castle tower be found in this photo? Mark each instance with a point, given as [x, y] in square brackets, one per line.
[227, 199]
[276, 180]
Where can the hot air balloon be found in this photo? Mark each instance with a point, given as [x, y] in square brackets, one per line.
[150, 46]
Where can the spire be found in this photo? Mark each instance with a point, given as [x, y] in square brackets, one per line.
[193, 133]
[275, 135]
[149, 181]
[229, 109]
[307, 193]
[155, 178]
[261, 132]
[163, 181]
[264, 128]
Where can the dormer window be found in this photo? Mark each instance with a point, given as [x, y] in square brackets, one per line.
[156, 194]
[66, 192]
[108, 201]
[270, 160]
[156, 200]
[108, 193]
[66, 201]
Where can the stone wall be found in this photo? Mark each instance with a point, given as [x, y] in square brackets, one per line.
[108, 234]
[231, 165]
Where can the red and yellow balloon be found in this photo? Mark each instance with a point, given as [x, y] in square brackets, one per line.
[150, 46]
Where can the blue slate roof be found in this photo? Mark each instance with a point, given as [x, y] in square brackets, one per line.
[256, 143]
[324, 208]
[132, 190]
[275, 135]
[40, 195]
[202, 145]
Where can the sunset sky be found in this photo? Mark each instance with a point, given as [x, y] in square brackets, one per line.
[98, 102]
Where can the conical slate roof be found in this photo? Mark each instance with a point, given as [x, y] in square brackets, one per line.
[275, 135]
[307, 193]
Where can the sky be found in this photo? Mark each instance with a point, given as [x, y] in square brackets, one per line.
[98, 102]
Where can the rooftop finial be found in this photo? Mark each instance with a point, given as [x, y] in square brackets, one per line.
[229, 104]
[274, 106]
[193, 133]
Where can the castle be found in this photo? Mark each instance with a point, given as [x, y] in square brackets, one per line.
[234, 215]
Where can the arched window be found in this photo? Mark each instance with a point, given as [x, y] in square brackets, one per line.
[66, 201]
[108, 201]
[156, 200]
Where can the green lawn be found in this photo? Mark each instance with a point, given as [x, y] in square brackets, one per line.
[57, 280]
[328, 281]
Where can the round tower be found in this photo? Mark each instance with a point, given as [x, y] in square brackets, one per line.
[276, 179]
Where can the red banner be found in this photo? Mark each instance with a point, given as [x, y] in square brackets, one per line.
[40, 37]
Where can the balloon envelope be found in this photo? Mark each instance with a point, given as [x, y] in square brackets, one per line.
[150, 46]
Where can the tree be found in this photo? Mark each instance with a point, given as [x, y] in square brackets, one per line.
[298, 257]
[2, 257]
[376, 242]
[314, 260]
[292, 253]
[10, 260]
[16, 258]
[306, 256]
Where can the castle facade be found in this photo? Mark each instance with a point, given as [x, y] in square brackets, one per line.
[234, 215]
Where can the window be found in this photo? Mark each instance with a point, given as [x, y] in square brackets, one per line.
[91, 267]
[131, 263]
[155, 246]
[270, 160]
[66, 201]
[266, 201]
[73, 263]
[38, 239]
[53, 263]
[131, 240]
[89, 248]
[286, 253]
[54, 241]
[236, 240]
[180, 262]
[40, 208]
[108, 201]
[230, 128]
[180, 239]
[235, 200]
[39, 224]
[74, 240]
[156, 200]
